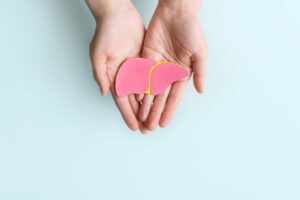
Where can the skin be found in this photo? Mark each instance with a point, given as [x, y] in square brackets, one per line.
[174, 35]
[119, 35]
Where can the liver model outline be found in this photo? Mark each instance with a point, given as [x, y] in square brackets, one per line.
[141, 75]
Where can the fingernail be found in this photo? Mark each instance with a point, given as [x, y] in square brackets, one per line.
[202, 86]
[164, 123]
[201, 90]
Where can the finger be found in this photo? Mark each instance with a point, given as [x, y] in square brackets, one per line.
[157, 109]
[199, 67]
[139, 97]
[173, 100]
[135, 105]
[99, 71]
[145, 107]
[126, 110]
[143, 128]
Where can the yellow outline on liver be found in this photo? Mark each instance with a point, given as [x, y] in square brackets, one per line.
[150, 75]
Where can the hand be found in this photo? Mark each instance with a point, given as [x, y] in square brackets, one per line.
[174, 34]
[119, 35]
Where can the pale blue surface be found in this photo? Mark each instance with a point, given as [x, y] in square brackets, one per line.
[239, 141]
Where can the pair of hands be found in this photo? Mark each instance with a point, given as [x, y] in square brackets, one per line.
[174, 34]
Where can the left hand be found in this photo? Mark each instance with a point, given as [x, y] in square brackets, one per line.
[173, 35]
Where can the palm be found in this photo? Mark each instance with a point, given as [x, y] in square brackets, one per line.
[173, 40]
[180, 41]
[117, 38]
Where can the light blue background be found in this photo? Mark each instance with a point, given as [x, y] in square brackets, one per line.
[239, 141]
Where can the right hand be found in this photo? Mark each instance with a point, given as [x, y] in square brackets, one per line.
[119, 35]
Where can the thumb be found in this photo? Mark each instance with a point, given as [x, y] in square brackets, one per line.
[100, 72]
[199, 68]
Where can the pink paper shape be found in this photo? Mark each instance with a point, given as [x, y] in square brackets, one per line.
[133, 76]
[164, 75]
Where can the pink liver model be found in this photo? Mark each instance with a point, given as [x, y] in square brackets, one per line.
[165, 74]
[140, 75]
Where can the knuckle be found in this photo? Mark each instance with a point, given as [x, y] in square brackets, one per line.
[160, 98]
[167, 112]
[119, 100]
[173, 98]
[155, 113]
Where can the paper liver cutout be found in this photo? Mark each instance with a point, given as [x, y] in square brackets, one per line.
[140, 75]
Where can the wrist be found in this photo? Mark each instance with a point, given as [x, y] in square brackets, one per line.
[181, 7]
[105, 8]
